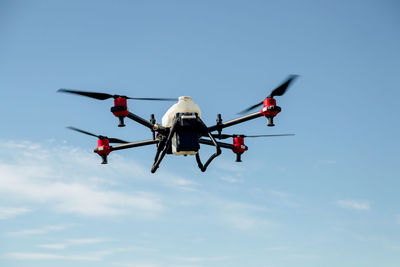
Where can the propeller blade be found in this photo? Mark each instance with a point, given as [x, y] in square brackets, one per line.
[281, 89]
[104, 96]
[82, 131]
[99, 96]
[111, 140]
[269, 135]
[225, 136]
[153, 99]
[278, 91]
[116, 140]
[250, 108]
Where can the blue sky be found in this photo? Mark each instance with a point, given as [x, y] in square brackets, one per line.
[326, 197]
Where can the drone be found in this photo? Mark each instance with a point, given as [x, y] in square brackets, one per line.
[182, 130]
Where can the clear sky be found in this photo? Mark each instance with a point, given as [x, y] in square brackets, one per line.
[328, 196]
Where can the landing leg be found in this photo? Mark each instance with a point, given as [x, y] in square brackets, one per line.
[202, 167]
[167, 145]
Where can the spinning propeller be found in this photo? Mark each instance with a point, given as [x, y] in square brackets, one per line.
[280, 90]
[101, 137]
[104, 96]
[238, 141]
[103, 144]
[225, 136]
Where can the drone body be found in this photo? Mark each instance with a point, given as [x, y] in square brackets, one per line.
[184, 141]
[182, 130]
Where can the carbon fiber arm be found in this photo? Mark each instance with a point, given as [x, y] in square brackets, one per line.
[134, 144]
[219, 127]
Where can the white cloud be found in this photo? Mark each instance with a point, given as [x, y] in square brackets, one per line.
[202, 259]
[182, 183]
[131, 264]
[292, 252]
[234, 214]
[40, 231]
[101, 254]
[354, 204]
[11, 212]
[53, 246]
[282, 198]
[242, 216]
[47, 256]
[65, 179]
[72, 242]
[230, 179]
[88, 256]
[85, 241]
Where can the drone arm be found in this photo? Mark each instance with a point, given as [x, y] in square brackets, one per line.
[134, 144]
[146, 123]
[234, 121]
[221, 144]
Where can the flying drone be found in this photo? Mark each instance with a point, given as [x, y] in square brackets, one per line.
[182, 130]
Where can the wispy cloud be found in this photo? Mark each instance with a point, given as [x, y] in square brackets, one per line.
[132, 264]
[69, 180]
[231, 173]
[85, 241]
[47, 256]
[40, 231]
[72, 242]
[226, 165]
[110, 251]
[292, 252]
[282, 198]
[242, 216]
[202, 259]
[88, 256]
[182, 183]
[11, 212]
[62, 179]
[354, 204]
[230, 179]
[53, 246]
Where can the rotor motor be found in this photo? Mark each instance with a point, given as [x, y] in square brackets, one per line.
[238, 147]
[270, 110]
[103, 149]
[120, 109]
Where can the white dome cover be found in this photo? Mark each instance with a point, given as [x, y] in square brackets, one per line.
[184, 105]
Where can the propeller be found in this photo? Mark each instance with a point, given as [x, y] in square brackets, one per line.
[278, 91]
[225, 136]
[104, 96]
[111, 140]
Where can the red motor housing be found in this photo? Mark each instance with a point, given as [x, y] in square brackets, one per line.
[103, 149]
[120, 110]
[270, 110]
[238, 145]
